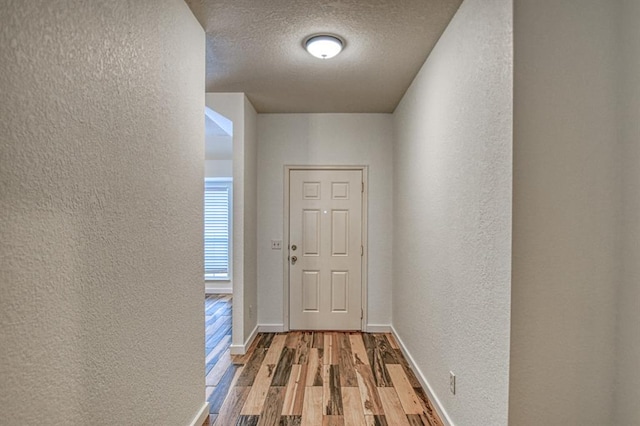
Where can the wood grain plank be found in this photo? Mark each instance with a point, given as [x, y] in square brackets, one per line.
[273, 354]
[292, 339]
[243, 359]
[270, 415]
[212, 328]
[392, 341]
[252, 367]
[318, 340]
[376, 420]
[258, 392]
[313, 388]
[290, 420]
[232, 406]
[283, 369]
[347, 370]
[408, 398]
[392, 406]
[302, 348]
[222, 389]
[219, 369]
[248, 421]
[369, 342]
[358, 350]
[208, 390]
[214, 354]
[407, 370]
[314, 368]
[417, 420]
[218, 334]
[371, 403]
[380, 373]
[294, 395]
[332, 421]
[312, 408]
[352, 406]
[429, 411]
[332, 395]
[266, 340]
[328, 345]
[384, 348]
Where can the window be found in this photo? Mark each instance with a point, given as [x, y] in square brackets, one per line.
[217, 220]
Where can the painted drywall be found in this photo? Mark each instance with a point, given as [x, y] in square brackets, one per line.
[452, 214]
[565, 213]
[218, 168]
[627, 386]
[237, 108]
[250, 219]
[323, 139]
[101, 170]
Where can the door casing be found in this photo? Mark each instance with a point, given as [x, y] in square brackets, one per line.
[365, 239]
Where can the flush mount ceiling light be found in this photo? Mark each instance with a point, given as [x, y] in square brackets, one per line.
[323, 46]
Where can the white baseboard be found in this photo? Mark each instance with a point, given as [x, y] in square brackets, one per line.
[218, 290]
[378, 328]
[201, 416]
[271, 328]
[279, 328]
[423, 381]
[242, 349]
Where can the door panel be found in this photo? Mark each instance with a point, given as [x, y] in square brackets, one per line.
[325, 239]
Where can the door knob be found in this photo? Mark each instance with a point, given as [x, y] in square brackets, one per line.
[294, 247]
[294, 259]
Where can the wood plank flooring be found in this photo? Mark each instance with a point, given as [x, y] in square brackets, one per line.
[309, 378]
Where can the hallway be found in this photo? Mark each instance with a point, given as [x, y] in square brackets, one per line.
[309, 378]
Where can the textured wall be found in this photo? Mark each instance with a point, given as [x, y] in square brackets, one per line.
[323, 139]
[627, 387]
[452, 214]
[565, 213]
[101, 169]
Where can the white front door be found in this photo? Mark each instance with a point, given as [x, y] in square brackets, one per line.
[325, 249]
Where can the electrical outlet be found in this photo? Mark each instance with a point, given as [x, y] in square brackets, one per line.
[276, 244]
[452, 382]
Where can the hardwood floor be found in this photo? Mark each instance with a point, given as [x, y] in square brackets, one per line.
[309, 378]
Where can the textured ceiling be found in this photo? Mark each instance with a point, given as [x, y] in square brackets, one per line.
[255, 47]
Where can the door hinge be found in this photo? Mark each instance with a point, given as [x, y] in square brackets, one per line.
[361, 250]
[361, 314]
[362, 187]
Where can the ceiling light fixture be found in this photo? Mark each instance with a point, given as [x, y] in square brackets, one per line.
[323, 46]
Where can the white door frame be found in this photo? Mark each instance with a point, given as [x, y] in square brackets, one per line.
[286, 242]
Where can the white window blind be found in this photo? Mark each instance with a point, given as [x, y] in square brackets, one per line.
[217, 210]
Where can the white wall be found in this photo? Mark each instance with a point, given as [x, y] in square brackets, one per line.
[218, 168]
[323, 139]
[452, 214]
[627, 386]
[101, 213]
[237, 108]
[566, 213]
[250, 218]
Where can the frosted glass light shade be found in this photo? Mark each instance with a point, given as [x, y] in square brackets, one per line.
[324, 46]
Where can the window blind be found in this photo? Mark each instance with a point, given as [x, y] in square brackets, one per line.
[217, 201]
